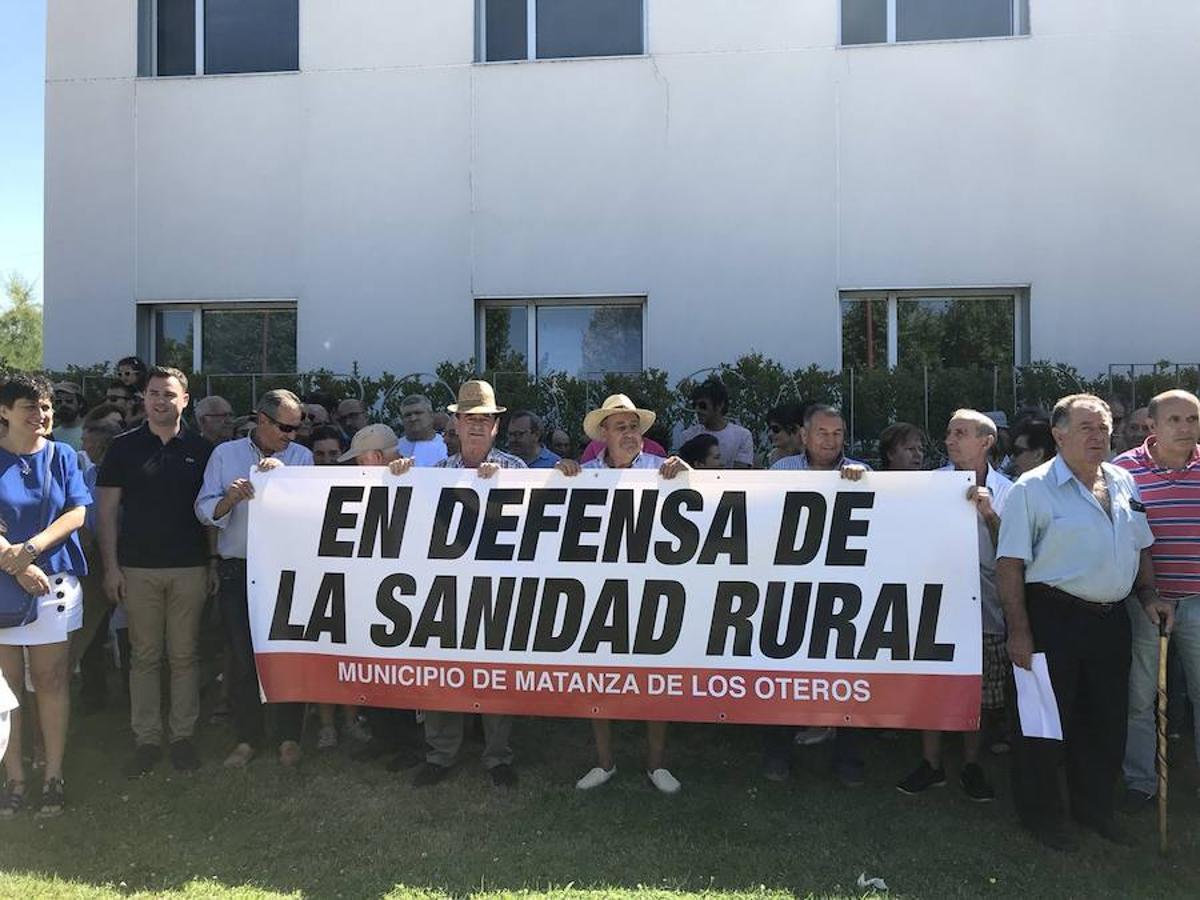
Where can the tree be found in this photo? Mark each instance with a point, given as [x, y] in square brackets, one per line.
[21, 325]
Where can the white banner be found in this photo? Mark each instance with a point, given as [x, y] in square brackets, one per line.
[735, 596]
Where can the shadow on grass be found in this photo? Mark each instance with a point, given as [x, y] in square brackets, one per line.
[335, 828]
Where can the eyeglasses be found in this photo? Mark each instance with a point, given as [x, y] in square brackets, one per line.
[700, 404]
[115, 398]
[282, 426]
[774, 429]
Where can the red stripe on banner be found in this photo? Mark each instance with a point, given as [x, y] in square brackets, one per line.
[872, 700]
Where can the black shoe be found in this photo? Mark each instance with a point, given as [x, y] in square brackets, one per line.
[922, 778]
[372, 749]
[1136, 801]
[143, 761]
[504, 775]
[183, 755]
[975, 784]
[1056, 837]
[53, 800]
[1111, 832]
[850, 774]
[429, 774]
[405, 759]
[12, 799]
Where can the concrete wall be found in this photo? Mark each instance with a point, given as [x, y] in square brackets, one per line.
[739, 176]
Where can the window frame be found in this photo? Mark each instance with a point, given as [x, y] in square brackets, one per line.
[1020, 17]
[531, 306]
[147, 310]
[150, 56]
[1018, 293]
[531, 38]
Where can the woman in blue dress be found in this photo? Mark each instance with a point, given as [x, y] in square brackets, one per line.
[42, 504]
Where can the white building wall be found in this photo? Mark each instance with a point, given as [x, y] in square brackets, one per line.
[739, 176]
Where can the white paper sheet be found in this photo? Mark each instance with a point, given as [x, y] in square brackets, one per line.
[1036, 701]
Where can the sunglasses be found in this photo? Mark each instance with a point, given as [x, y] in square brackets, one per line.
[282, 426]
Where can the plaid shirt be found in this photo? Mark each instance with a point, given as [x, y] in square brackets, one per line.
[499, 457]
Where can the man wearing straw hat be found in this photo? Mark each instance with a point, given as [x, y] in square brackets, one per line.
[478, 419]
[621, 425]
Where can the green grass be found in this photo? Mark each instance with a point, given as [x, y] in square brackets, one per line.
[341, 829]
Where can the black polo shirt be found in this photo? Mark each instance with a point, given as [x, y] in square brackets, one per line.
[159, 483]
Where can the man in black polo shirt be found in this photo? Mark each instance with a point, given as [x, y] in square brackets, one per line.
[155, 562]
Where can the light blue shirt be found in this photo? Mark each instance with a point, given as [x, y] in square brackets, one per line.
[799, 463]
[1060, 531]
[641, 461]
[230, 461]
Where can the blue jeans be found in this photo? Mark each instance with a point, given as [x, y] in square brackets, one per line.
[1141, 740]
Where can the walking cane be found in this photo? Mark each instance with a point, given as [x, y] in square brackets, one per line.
[1163, 638]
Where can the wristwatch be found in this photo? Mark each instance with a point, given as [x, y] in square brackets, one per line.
[31, 548]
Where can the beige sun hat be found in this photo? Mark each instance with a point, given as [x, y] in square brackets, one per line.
[373, 437]
[613, 404]
[476, 397]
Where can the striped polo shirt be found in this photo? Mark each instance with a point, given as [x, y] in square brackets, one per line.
[1172, 500]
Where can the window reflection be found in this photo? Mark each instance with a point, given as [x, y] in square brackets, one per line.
[587, 341]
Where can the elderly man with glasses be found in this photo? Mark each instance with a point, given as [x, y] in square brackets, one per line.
[223, 503]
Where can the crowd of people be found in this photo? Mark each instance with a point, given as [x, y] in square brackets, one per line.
[125, 527]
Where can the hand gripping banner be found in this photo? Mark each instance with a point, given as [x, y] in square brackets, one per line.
[733, 596]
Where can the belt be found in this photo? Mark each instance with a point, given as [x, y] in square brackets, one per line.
[1039, 591]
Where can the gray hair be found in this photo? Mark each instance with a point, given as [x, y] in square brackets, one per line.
[1062, 409]
[984, 425]
[417, 400]
[535, 421]
[270, 402]
[106, 427]
[203, 404]
[820, 409]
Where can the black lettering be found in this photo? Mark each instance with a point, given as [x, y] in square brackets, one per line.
[329, 612]
[653, 594]
[893, 603]
[336, 519]
[730, 516]
[633, 531]
[683, 529]
[794, 504]
[282, 628]
[826, 620]
[927, 648]
[379, 524]
[537, 522]
[726, 617]
[482, 612]
[610, 618]
[397, 614]
[768, 640]
[440, 544]
[439, 615]
[496, 523]
[523, 622]
[580, 523]
[842, 527]
[554, 591]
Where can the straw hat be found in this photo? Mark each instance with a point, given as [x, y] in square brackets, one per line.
[373, 437]
[616, 403]
[476, 397]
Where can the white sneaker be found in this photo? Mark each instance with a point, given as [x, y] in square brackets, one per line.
[664, 781]
[808, 737]
[327, 738]
[595, 778]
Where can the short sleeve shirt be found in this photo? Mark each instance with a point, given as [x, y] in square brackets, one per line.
[1055, 526]
[642, 461]
[21, 502]
[735, 443]
[159, 483]
[499, 457]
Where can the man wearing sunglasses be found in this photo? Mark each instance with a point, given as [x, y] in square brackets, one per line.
[222, 503]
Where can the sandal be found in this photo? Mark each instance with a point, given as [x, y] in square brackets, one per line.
[12, 801]
[53, 798]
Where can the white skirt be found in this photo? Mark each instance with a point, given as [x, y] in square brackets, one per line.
[59, 613]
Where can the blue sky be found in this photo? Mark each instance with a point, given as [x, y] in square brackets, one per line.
[22, 92]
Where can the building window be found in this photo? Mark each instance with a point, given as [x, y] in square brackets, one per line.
[508, 30]
[223, 338]
[584, 338]
[954, 329]
[897, 21]
[218, 37]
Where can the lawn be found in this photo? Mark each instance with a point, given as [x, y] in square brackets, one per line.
[336, 828]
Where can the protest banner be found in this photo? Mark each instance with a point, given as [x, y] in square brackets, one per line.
[772, 597]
